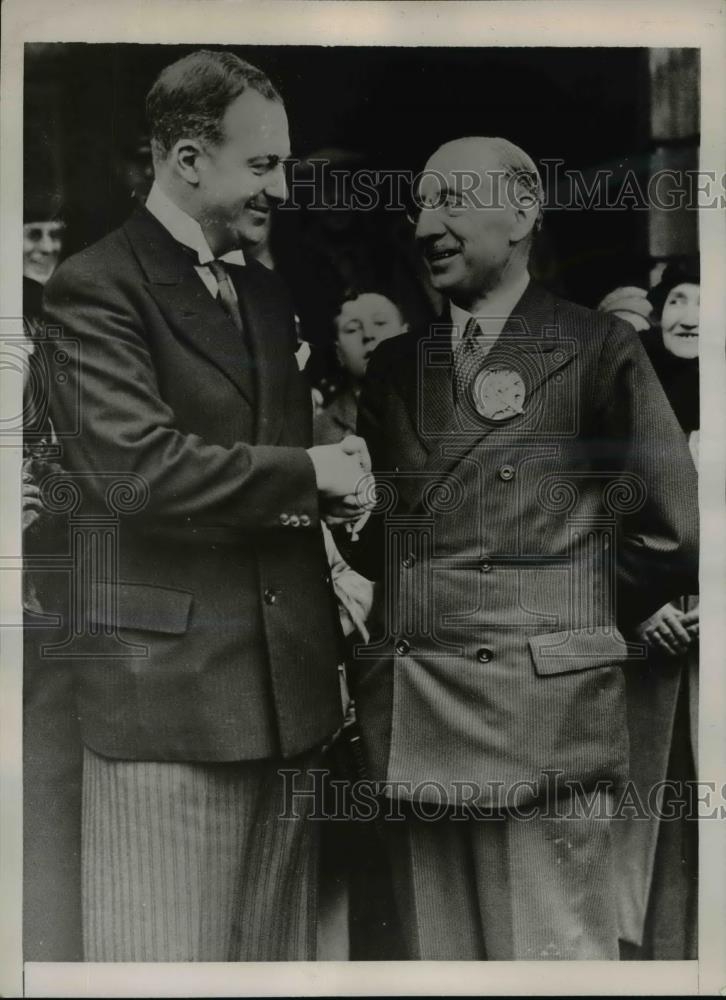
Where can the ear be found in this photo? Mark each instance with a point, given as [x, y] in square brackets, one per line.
[184, 158]
[404, 328]
[525, 209]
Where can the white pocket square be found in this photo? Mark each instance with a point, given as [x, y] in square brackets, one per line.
[302, 354]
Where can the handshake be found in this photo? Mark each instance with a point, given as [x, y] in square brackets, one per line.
[344, 480]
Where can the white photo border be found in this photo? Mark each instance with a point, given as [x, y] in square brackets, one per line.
[536, 23]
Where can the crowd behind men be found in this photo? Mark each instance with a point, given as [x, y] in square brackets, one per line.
[254, 553]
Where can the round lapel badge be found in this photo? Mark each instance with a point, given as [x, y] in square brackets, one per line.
[498, 393]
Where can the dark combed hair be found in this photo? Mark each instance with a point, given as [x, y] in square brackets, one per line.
[190, 97]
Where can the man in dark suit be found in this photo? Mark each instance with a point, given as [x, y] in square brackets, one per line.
[535, 497]
[207, 636]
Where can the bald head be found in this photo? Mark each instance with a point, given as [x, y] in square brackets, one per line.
[480, 201]
[477, 157]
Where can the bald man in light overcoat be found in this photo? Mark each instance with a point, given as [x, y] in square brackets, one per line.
[536, 499]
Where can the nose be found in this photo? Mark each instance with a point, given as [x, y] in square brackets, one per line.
[276, 186]
[690, 318]
[429, 225]
[47, 242]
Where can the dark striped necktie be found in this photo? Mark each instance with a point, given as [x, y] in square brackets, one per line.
[227, 297]
[467, 358]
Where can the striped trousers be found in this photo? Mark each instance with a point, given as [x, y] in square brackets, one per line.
[505, 888]
[193, 862]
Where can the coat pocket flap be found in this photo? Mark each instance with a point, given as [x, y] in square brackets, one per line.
[141, 606]
[580, 649]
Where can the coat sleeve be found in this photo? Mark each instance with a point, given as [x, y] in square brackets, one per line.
[638, 433]
[125, 426]
[367, 555]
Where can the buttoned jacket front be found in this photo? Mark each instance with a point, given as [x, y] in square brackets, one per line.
[514, 552]
[212, 634]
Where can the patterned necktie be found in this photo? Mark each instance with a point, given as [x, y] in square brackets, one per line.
[227, 298]
[467, 355]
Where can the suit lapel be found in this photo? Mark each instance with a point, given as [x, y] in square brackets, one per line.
[187, 305]
[527, 344]
[433, 400]
[266, 325]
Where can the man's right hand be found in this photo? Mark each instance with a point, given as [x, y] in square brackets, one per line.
[341, 470]
[666, 630]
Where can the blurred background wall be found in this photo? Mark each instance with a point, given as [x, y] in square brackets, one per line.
[625, 109]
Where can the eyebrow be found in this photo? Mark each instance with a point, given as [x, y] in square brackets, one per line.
[270, 159]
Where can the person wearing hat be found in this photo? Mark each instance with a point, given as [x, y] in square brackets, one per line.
[536, 497]
[43, 228]
[657, 861]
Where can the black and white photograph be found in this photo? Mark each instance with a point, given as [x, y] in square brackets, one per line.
[359, 515]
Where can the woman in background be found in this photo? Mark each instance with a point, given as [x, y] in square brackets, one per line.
[658, 857]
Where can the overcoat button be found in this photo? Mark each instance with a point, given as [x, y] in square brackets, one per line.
[284, 518]
[402, 647]
[486, 567]
[408, 561]
[506, 472]
[305, 520]
[270, 596]
[294, 520]
[484, 655]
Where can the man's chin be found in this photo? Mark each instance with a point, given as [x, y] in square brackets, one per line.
[445, 282]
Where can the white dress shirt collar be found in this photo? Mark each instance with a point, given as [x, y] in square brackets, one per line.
[498, 309]
[184, 228]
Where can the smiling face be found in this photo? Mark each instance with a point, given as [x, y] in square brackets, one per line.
[679, 321]
[362, 324]
[42, 242]
[467, 228]
[241, 180]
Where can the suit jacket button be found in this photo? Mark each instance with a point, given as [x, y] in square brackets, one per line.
[402, 647]
[284, 518]
[506, 472]
[305, 520]
[486, 567]
[408, 561]
[484, 655]
[270, 596]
